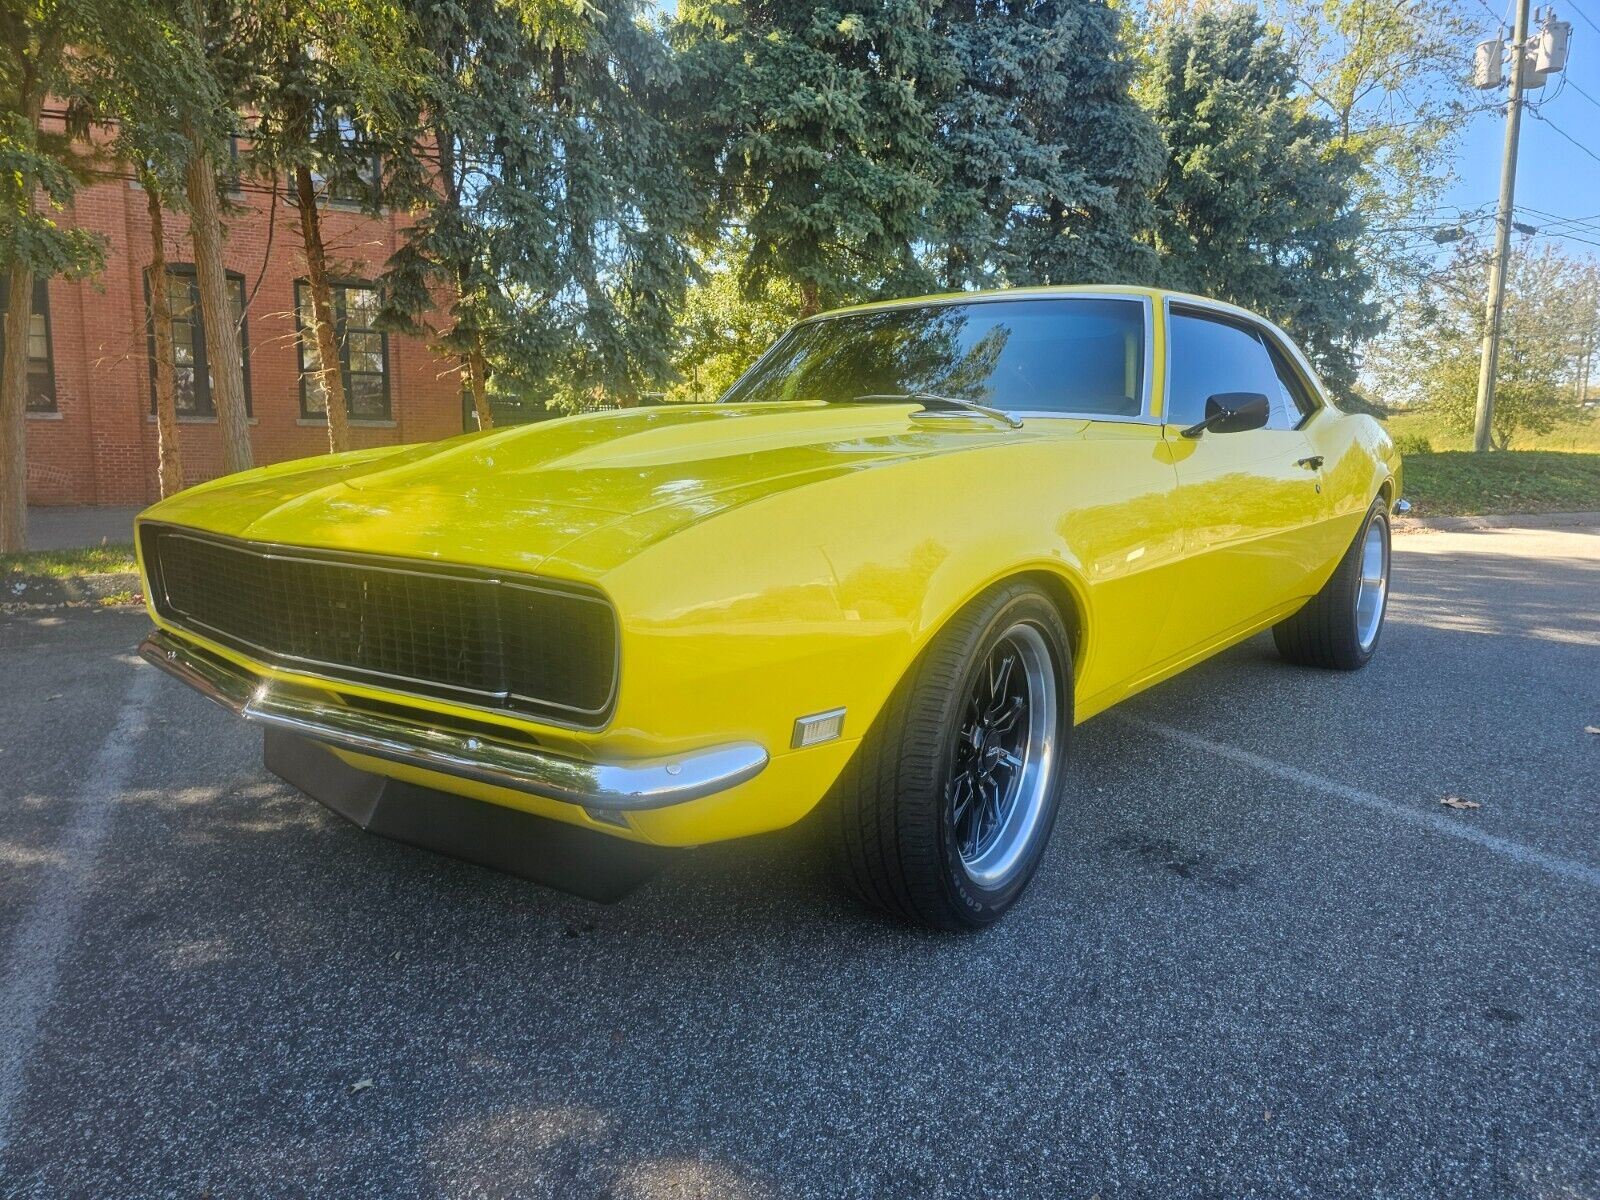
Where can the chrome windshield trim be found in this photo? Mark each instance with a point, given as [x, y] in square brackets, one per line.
[615, 786]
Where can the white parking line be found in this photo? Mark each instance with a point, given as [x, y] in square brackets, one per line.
[44, 937]
[1566, 868]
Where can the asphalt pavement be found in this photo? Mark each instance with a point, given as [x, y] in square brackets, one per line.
[1261, 958]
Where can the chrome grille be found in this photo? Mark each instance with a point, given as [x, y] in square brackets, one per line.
[473, 636]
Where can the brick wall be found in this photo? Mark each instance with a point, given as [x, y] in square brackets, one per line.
[99, 447]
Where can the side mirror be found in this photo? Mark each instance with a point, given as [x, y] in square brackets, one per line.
[1232, 412]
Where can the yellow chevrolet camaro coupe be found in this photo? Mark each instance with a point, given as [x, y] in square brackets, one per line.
[886, 574]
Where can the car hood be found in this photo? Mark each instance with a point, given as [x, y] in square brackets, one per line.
[513, 498]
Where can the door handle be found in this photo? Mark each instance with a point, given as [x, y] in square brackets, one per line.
[1311, 462]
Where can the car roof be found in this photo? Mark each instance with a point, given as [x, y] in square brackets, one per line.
[1038, 293]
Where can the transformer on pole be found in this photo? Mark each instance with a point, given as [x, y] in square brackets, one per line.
[1532, 61]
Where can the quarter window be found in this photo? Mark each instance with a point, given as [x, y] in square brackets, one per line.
[1297, 401]
[191, 363]
[41, 365]
[1207, 356]
[363, 353]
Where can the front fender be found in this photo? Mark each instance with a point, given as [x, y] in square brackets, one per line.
[821, 597]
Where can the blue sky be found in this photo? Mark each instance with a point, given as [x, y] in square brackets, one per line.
[1554, 176]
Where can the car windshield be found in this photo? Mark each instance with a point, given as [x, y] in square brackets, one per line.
[1068, 355]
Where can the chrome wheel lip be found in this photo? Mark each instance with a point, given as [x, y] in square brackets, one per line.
[1021, 809]
[1372, 586]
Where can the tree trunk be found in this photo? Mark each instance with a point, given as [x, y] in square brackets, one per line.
[476, 371]
[14, 411]
[169, 459]
[216, 309]
[14, 378]
[322, 320]
[810, 304]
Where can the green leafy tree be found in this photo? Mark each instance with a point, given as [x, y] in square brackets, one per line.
[552, 210]
[1258, 202]
[37, 160]
[722, 328]
[814, 129]
[337, 92]
[601, 210]
[1433, 355]
[1050, 159]
[1390, 77]
[231, 35]
[147, 86]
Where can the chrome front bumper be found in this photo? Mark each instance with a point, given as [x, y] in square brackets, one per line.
[605, 787]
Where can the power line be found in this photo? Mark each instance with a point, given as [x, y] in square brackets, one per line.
[1503, 18]
[1557, 217]
[1541, 117]
[1573, 5]
[1583, 93]
[1560, 226]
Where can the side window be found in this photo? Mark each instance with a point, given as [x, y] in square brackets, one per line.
[1206, 356]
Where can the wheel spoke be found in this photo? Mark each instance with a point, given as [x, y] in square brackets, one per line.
[992, 809]
[1007, 720]
[999, 683]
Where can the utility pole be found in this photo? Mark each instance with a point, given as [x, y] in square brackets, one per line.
[1530, 66]
[1490, 362]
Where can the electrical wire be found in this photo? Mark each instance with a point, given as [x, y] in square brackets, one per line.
[1554, 223]
[1572, 4]
[1582, 93]
[1538, 116]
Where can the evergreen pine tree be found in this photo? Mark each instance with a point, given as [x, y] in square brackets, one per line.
[1051, 160]
[555, 210]
[1258, 206]
[815, 128]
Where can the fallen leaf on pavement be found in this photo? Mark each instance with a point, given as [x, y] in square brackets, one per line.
[360, 1085]
[1458, 802]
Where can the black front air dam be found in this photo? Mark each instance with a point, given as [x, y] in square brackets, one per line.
[553, 853]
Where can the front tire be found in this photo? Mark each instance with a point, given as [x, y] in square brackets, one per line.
[1339, 627]
[945, 811]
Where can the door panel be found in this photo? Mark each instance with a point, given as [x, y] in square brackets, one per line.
[1117, 513]
[1251, 503]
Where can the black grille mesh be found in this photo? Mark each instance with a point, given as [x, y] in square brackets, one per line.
[391, 623]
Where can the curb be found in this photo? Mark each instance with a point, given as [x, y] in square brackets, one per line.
[49, 590]
[1569, 520]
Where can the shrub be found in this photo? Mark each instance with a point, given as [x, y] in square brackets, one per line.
[1413, 443]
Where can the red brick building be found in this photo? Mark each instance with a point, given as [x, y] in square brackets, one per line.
[91, 429]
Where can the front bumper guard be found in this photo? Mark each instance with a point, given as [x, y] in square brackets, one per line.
[601, 787]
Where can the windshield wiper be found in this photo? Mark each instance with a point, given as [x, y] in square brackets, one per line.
[934, 401]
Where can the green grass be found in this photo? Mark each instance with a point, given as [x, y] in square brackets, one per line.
[1504, 481]
[1579, 434]
[60, 564]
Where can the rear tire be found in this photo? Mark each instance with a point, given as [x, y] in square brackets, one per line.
[1339, 627]
[907, 829]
